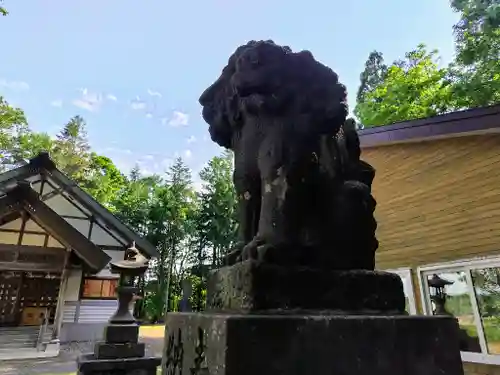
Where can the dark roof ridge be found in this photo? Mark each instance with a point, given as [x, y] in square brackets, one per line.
[43, 162]
[28, 200]
[470, 120]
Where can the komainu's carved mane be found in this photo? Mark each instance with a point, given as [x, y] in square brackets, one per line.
[266, 79]
[304, 194]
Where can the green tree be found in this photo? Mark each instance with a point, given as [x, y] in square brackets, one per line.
[373, 75]
[132, 203]
[476, 70]
[28, 144]
[172, 205]
[412, 88]
[103, 180]
[217, 222]
[487, 285]
[12, 125]
[72, 150]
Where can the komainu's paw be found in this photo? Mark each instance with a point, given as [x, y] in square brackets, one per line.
[250, 249]
[258, 249]
[233, 255]
[267, 253]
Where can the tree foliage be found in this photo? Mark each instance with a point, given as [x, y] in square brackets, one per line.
[13, 124]
[374, 75]
[417, 86]
[476, 69]
[218, 207]
[103, 179]
[411, 88]
[3, 11]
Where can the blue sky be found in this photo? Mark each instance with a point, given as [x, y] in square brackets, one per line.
[134, 70]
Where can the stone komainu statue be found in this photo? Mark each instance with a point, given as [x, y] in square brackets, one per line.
[304, 194]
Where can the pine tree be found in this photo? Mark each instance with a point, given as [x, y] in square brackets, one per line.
[373, 75]
[71, 152]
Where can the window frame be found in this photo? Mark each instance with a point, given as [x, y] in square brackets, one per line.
[90, 278]
[465, 265]
[405, 272]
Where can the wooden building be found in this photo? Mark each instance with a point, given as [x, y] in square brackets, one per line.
[438, 192]
[55, 244]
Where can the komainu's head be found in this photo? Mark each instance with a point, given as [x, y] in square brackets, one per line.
[264, 79]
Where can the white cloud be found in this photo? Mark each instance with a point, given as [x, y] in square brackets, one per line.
[179, 119]
[191, 139]
[149, 115]
[14, 85]
[56, 103]
[90, 101]
[137, 104]
[154, 93]
[111, 97]
[188, 154]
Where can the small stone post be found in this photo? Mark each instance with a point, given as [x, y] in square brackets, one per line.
[187, 290]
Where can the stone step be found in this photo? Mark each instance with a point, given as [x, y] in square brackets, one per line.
[22, 337]
[25, 353]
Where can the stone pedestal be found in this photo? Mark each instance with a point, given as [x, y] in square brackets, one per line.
[119, 354]
[267, 320]
[254, 287]
[230, 344]
[89, 365]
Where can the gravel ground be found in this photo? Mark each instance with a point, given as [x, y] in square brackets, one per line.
[65, 363]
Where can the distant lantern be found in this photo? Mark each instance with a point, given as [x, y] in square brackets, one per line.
[133, 266]
[438, 294]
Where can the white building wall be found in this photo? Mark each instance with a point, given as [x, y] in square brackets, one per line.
[73, 286]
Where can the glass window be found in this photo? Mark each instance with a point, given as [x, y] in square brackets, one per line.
[487, 287]
[471, 293]
[455, 300]
[100, 288]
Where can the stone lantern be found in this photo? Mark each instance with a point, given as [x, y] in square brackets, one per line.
[121, 352]
[438, 294]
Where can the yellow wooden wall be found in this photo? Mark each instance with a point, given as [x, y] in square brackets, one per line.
[437, 200]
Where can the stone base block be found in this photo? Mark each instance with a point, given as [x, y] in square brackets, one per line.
[255, 287]
[223, 344]
[103, 350]
[89, 365]
[121, 333]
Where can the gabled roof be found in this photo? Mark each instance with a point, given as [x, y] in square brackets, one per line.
[485, 120]
[23, 197]
[42, 164]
